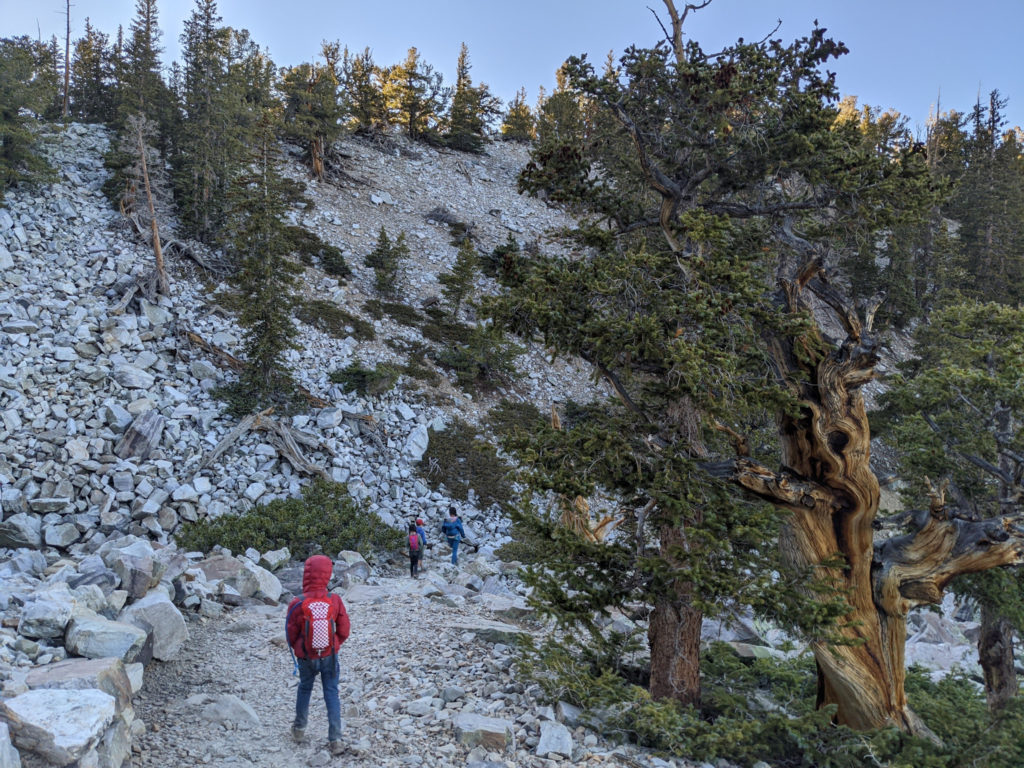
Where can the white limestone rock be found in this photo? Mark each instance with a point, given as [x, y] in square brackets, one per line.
[95, 638]
[156, 612]
[61, 726]
[555, 739]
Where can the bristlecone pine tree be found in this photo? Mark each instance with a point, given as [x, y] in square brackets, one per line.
[363, 95]
[313, 110]
[415, 96]
[92, 77]
[472, 108]
[385, 260]
[714, 167]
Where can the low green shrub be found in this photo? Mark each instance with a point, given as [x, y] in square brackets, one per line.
[366, 381]
[325, 519]
[240, 399]
[459, 460]
[506, 263]
[416, 365]
[402, 314]
[764, 710]
[332, 319]
[308, 246]
[442, 329]
[484, 362]
[509, 418]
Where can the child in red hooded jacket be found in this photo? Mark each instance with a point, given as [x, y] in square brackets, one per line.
[315, 577]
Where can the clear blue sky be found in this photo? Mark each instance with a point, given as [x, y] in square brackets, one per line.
[904, 53]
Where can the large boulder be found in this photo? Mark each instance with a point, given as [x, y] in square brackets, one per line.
[492, 733]
[157, 614]
[107, 675]
[9, 757]
[555, 739]
[61, 726]
[136, 565]
[45, 616]
[269, 586]
[491, 631]
[350, 568]
[21, 530]
[224, 708]
[94, 637]
[275, 559]
[417, 443]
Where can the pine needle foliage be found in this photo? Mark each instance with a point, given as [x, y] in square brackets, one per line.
[266, 280]
[691, 172]
[27, 86]
[386, 260]
[457, 285]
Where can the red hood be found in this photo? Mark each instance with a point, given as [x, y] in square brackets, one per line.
[317, 574]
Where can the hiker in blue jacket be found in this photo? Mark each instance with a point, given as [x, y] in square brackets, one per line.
[453, 533]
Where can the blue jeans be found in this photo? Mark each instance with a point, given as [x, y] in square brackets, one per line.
[454, 544]
[329, 671]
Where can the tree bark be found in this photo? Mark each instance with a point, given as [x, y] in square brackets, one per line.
[161, 272]
[674, 635]
[833, 495]
[995, 653]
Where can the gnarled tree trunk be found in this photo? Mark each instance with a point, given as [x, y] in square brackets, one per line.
[833, 495]
[673, 635]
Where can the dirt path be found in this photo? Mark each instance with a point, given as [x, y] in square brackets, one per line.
[401, 648]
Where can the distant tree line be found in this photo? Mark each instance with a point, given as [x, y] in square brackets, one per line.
[199, 137]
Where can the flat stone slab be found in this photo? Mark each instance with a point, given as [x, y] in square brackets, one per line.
[57, 724]
[107, 675]
[491, 733]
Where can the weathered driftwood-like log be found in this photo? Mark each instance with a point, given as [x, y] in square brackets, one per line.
[227, 441]
[284, 438]
[142, 436]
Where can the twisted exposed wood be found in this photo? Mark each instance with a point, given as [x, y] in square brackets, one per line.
[284, 438]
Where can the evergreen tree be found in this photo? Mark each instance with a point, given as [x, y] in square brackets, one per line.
[458, 283]
[208, 149]
[472, 109]
[92, 74]
[143, 90]
[519, 123]
[722, 169]
[258, 239]
[900, 269]
[364, 98]
[559, 118]
[313, 110]
[989, 205]
[28, 85]
[385, 260]
[415, 96]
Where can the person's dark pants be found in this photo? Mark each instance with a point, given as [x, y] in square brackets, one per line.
[329, 671]
[454, 544]
[414, 563]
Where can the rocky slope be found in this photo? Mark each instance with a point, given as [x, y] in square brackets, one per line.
[106, 431]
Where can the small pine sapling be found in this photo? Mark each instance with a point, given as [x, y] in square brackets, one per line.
[458, 284]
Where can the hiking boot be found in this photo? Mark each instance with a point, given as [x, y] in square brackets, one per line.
[298, 734]
[336, 747]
